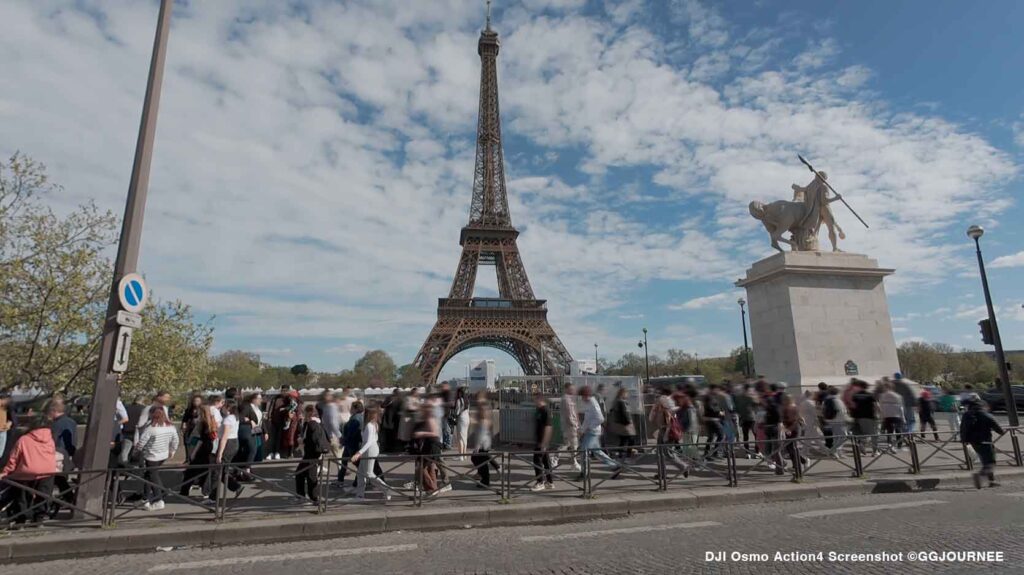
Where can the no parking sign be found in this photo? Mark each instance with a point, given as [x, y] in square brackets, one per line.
[132, 293]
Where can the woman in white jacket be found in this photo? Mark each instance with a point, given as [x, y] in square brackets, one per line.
[157, 443]
[367, 454]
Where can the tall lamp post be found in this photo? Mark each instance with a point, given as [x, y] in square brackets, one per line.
[597, 370]
[746, 348]
[975, 233]
[100, 428]
[647, 361]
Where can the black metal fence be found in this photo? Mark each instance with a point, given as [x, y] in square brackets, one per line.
[504, 476]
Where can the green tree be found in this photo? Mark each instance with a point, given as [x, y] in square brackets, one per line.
[971, 367]
[170, 352]
[236, 368]
[374, 367]
[922, 361]
[409, 376]
[53, 281]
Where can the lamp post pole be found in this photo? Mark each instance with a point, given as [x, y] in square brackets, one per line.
[975, 233]
[647, 361]
[597, 369]
[99, 431]
[746, 348]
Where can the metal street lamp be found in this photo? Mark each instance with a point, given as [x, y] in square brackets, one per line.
[975, 233]
[647, 361]
[596, 369]
[746, 348]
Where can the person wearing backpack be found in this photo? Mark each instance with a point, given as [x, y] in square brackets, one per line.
[772, 402]
[976, 428]
[314, 445]
[669, 429]
[745, 410]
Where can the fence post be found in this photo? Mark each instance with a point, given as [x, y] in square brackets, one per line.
[915, 458]
[588, 490]
[324, 471]
[222, 492]
[417, 488]
[858, 463]
[659, 450]
[111, 508]
[798, 460]
[730, 464]
[968, 460]
[1017, 456]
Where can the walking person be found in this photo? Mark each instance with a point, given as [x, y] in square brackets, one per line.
[482, 460]
[250, 428]
[352, 440]
[30, 466]
[791, 424]
[277, 414]
[391, 414]
[926, 412]
[714, 412]
[950, 405]
[367, 456]
[64, 430]
[590, 443]
[441, 414]
[890, 405]
[773, 433]
[863, 413]
[542, 432]
[190, 419]
[668, 428]
[976, 429]
[200, 444]
[746, 404]
[157, 444]
[621, 424]
[314, 445]
[330, 417]
[570, 425]
[833, 411]
[227, 448]
[426, 438]
[410, 412]
[461, 412]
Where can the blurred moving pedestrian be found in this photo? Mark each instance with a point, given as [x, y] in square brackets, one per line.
[352, 440]
[976, 429]
[864, 415]
[621, 424]
[590, 443]
[190, 418]
[158, 443]
[483, 462]
[833, 411]
[367, 456]
[570, 420]
[926, 412]
[30, 467]
[890, 406]
[542, 432]
[227, 448]
[746, 404]
[461, 418]
[314, 445]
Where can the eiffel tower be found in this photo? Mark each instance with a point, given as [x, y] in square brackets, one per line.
[515, 322]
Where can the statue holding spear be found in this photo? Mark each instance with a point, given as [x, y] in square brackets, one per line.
[803, 216]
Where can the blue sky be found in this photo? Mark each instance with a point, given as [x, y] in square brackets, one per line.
[314, 159]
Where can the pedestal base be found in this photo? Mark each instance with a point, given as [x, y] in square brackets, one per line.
[820, 316]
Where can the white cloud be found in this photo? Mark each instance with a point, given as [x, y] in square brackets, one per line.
[720, 300]
[1009, 261]
[313, 165]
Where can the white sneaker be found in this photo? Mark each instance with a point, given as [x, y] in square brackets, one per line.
[147, 506]
[549, 486]
[158, 505]
[445, 489]
[538, 487]
[576, 467]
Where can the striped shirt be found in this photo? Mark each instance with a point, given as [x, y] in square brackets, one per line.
[158, 442]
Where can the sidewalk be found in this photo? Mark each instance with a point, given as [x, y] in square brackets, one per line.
[266, 512]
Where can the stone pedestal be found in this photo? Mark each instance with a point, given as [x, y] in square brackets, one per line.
[820, 316]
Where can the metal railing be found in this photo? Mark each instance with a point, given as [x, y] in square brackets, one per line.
[504, 476]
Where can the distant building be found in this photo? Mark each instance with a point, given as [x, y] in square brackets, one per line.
[482, 375]
[583, 367]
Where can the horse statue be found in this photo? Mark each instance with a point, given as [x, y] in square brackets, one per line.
[802, 217]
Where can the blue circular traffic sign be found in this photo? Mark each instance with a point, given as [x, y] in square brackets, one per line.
[131, 291]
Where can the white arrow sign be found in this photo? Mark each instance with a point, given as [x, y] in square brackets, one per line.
[124, 346]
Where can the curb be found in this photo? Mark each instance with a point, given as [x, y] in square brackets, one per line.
[27, 548]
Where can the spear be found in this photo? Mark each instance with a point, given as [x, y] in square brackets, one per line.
[841, 198]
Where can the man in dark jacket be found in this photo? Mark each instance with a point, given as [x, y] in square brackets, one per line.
[976, 428]
[351, 437]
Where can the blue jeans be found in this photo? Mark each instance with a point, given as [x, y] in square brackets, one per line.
[591, 443]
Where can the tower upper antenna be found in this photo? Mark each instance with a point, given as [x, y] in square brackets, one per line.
[488, 15]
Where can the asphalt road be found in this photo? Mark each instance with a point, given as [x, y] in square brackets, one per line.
[671, 542]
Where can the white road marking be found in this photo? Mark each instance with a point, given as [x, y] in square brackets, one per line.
[1020, 494]
[643, 529]
[284, 557]
[865, 509]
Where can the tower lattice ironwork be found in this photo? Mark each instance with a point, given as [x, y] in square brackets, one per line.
[516, 321]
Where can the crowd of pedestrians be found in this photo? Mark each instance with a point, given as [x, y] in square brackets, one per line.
[757, 419]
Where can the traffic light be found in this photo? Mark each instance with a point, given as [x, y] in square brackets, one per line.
[986, 332]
